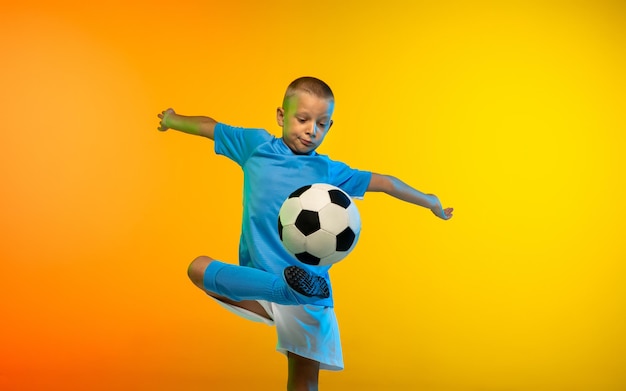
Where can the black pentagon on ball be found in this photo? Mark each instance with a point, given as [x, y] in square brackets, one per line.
[308, 222]
[280, 229]
[299, 192]
[345, 239]
[339, 197]
[308, 259]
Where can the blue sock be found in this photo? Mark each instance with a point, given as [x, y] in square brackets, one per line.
[247, 283]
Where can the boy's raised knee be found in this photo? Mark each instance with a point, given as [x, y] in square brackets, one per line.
[197, 268]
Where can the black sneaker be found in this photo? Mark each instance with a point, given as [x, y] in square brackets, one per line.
[306, 284]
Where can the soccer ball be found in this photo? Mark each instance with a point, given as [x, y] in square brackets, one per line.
[319, 224]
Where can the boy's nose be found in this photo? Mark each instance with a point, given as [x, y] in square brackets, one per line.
[313, 130]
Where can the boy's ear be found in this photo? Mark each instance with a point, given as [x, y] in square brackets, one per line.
[280, 116]
[331, 124]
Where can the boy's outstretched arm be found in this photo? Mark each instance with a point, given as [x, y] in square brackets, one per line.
[197, 125]
[400, 190]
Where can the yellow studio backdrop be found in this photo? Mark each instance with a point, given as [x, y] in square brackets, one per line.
[511, 112]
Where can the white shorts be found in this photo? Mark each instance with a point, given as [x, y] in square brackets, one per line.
[306, 330]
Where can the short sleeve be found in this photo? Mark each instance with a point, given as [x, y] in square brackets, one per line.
[352, 181]
[237, 143]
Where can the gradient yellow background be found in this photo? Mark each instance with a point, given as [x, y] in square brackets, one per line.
[512, 112]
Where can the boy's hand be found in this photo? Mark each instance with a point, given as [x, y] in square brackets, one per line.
[438, 210]
[163, 116]
[445, 214]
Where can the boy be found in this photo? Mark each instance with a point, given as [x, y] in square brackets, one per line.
[270, 285]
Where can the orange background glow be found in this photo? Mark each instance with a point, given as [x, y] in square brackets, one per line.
[511, 112]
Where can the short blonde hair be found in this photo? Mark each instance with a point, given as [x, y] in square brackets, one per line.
[311, 85]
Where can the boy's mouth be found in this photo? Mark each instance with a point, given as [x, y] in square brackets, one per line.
[306, 143]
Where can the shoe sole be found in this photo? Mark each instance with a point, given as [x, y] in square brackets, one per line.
[306, 284]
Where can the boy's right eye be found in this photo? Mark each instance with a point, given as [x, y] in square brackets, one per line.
[301, 120]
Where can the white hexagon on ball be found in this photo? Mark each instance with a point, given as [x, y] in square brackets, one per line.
[293, 240]
[314, 199]
[333, 258]
[354, 218]
[334, 218]
[321, 243]
[289, 211]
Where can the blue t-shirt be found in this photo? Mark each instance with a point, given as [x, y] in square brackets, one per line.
[271, 173]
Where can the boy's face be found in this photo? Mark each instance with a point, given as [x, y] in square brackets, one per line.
[305, 120]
